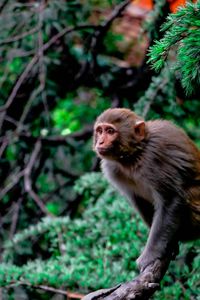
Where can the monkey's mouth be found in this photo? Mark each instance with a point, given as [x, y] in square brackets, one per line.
[103, 151]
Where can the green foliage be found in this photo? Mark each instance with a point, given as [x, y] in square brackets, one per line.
[182, 280]
[160, 92]
[78, 108]
[160, 100]
[110, 43]
[182, 34]
[154, 17]
[85, 253]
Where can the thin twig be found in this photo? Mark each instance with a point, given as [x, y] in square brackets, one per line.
[33, 62]
[150, 102]
[104, 27]
[3, 5]
[69, 295]
[60, 140]
[27, 108]
[55, 191]
[3, 147]
[42, 70]
[19, 83]
[15, 217]
[14, 181]
[16, 88]
[98, 35]
[27, 178]
[116, 13]
[43, 287]
[20, 36]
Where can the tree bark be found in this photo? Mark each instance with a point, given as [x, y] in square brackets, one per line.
[141, 288]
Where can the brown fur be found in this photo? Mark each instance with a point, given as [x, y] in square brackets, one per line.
[158, 169]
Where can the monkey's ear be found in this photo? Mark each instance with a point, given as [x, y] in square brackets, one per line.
[140, 130]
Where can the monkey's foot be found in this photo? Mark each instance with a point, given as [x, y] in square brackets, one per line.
[139, 288]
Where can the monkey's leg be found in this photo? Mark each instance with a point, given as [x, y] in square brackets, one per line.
[163, 236]
[157, 256]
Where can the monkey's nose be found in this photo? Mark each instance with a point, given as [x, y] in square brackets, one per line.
[100, 143]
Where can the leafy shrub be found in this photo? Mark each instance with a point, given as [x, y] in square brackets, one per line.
[95, 251]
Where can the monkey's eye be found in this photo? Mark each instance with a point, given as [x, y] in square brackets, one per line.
[110, 130]
[99, 130]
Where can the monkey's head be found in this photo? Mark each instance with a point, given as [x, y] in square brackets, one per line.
[118, 133]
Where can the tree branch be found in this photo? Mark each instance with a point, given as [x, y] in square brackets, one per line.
[141, 288]
[27, 178]
[15, 217]
[13, 180]
[70, 295]
[59, 140]
[32, 63]
[3, 5]
[98, 35]
[20, 36]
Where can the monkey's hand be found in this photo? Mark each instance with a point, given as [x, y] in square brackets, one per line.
[133, 290]
[146, 258]
[150, 255]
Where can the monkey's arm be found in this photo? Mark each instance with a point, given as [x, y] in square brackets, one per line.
[144, 208]
[154, 260]
[163, 236]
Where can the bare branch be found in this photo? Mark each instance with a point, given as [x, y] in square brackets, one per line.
[60, 140]
[116, 13]
[42, 69]
[15, 217]
[104, 27]
[15, 178]
[3, 146]
[16, 87]
[34, 61]
[150, 102]
[3, 5]
[142, 288]
[20, 36]
[98, 35]
[70, 295]
[27, 178]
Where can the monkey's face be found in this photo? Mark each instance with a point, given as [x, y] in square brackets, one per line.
[105, 140]
[117, 134]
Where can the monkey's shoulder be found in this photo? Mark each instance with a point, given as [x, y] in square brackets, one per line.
[170, 139]
[165, 129]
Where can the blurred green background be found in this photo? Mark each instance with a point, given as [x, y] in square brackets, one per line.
[62, 228]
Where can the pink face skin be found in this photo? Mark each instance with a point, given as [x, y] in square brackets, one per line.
[105, 134]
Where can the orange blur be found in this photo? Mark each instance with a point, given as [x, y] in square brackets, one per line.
[148, 4]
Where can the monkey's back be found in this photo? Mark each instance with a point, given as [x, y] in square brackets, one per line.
[178, 159]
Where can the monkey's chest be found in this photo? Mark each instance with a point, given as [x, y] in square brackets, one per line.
[130, 187]
[141, 189]
[127, 181]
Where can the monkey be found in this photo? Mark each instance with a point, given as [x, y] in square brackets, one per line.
[157, 167]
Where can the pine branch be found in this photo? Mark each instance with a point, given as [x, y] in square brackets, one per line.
[182, 33]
